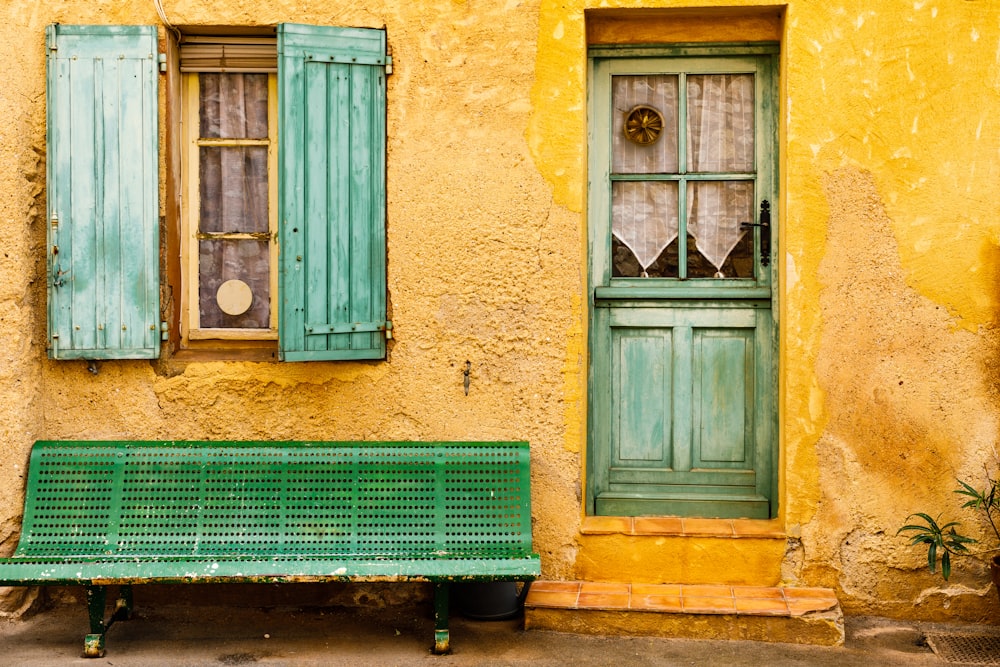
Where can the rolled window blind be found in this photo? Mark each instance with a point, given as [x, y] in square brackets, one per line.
[200, 53]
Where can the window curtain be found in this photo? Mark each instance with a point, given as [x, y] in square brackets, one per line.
[234, 192]
[644, 213]
[720, 139]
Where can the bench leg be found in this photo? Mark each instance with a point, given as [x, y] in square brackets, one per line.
[93, 644]
[442, 643]
[123, 605]
[97, 598]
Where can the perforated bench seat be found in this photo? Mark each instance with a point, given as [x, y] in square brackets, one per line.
[121, 513]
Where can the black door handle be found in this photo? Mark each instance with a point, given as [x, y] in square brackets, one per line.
[765, 231]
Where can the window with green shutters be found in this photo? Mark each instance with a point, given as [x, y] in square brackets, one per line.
[315, 274]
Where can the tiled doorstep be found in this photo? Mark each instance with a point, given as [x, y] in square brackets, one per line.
[758, 613]
[681, 598]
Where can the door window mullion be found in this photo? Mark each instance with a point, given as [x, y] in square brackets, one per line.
[682, 162]
[682, 233]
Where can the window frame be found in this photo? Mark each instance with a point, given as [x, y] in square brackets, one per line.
[191, 141]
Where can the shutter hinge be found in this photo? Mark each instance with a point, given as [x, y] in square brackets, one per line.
[162, 59]
[164, 331]
[388, 60]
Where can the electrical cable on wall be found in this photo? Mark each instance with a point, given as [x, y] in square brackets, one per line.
[163, 18]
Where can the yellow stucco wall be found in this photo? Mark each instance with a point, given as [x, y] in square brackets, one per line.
[888, 273]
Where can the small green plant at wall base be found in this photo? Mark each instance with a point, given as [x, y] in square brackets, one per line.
[937, 537]
[944, 539]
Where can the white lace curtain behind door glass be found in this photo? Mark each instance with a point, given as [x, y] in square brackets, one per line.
[720, 139]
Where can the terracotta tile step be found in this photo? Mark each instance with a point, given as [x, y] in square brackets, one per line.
[760, 600]
[784, 614]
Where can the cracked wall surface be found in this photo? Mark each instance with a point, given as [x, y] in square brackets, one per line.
[910, 403]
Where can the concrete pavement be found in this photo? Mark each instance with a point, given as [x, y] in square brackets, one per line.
[185, 635]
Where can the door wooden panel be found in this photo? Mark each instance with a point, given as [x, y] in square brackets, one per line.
[642, 397]
[683, 403]
[724, 400]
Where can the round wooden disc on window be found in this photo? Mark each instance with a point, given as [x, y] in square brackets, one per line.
[643, 125]
[234, 297]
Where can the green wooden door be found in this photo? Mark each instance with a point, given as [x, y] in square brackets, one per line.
[683, 320]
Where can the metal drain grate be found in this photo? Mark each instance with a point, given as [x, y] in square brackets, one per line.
[962, 649]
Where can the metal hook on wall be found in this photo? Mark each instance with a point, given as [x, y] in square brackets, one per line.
[467, 380]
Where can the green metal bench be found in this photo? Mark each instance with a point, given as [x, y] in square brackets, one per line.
[102, 514]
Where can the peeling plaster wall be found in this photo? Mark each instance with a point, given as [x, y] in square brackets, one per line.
[891, 292]
[22, 296]
[910, 400]
[483, 266]
[889, 270]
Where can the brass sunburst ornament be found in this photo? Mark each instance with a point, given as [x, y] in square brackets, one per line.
[643, 125]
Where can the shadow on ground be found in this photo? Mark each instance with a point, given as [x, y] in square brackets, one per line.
[303, 636]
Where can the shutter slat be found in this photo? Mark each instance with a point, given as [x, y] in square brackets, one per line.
[340, 289]
[85, 211]
[363, 92]
[103, 265]
[332, 193]
[318, 223]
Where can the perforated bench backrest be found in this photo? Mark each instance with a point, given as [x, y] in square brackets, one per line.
[401, 500]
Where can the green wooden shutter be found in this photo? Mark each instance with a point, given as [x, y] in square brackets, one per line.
[103, 227]
[331, 192]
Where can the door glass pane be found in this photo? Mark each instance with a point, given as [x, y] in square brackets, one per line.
[720, 123]
[717, 247]
[233, 106]
[643, 224]
[658, 93]
[247, 261]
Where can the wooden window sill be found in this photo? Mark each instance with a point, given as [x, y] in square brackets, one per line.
[262, 354]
